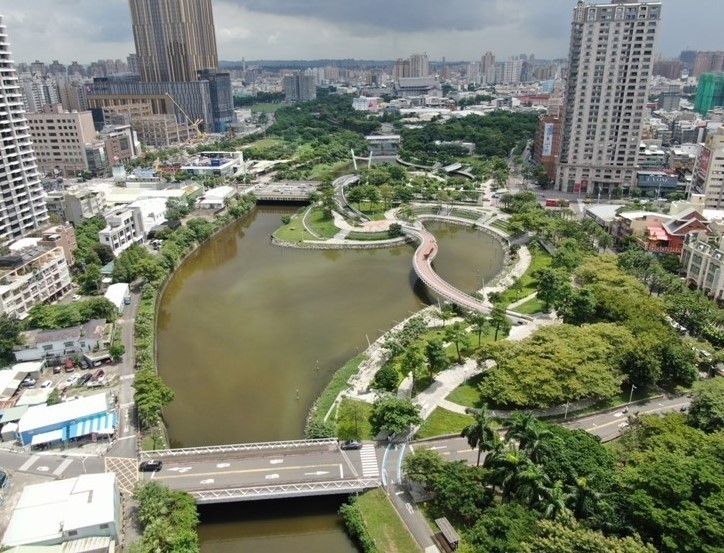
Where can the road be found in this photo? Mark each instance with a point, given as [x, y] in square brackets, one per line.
[52, 466]
[245, 470]
[126, 445]
[609, 425]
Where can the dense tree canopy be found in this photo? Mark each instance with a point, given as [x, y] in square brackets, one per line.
[558, 364]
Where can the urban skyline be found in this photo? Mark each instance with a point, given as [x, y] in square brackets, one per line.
[271, 29]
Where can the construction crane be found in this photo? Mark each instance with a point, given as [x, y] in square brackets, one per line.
[195, 124]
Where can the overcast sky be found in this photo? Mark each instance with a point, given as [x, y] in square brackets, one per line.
[86, 30]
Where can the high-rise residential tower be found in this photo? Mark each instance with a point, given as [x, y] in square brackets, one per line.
[609, 64]
[22, 208]
[175, 39]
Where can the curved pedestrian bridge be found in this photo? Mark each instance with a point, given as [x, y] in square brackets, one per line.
[422, 264]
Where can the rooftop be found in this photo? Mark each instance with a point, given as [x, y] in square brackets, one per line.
[43, 416]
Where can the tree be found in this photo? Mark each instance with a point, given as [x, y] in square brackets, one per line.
[151, 395]
[350, 417]
[499, 321]
[54, 397]
[413, 363]
[117, 350]
[436, 356]
[503, 528]
[480, 433]
[90, 280]
[528, 432]
[168, 518]
[356, 195]
[556, 537]
[706, 411]
[552, 286]
[387, 193]
[479, 322]
[10, 328]
[558, 364]
[458, 336]
[386, 378]
[394, 415]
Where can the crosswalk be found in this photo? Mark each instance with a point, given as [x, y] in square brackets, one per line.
[370, 468]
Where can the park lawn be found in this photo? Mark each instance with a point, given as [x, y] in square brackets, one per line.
[500, 224]
[442, 422]
[263, 143]
[294, 231]
[351, 430]
[531, 307]
[265, 108]
[368, 236]
[467, 394]
[323, 226]
[384, 524]
[540, 259]
[335, 386]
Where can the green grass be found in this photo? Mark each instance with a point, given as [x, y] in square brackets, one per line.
[540, 259]
[531, 307]
[467, 394]
[265, 108]
[332, 171]
[442, 422]
[336, 385]
[465, 214]
[368, 236]
[263, 143]
[500, 224]
[294, 231]
[384, 524]
[323, 226]
[354, 428]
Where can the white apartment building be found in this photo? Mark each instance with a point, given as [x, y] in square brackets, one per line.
[31, 276]
[125, 227]
[60, 138]
[609, 63]
[419, 65]
[702, 266]
[22, 209]
[76, 205]
[708, 175]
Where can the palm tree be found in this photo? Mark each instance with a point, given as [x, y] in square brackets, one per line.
[480, 433]
[554, 502]
[528, 432]
[583, 499]
[506, 466]
[531, 481]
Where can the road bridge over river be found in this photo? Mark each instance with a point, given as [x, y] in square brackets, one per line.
[269, 470]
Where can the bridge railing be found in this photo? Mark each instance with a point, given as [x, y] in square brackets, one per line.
[238, 448]
[284, 490]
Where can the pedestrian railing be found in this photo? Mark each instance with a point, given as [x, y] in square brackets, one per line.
[228, 495]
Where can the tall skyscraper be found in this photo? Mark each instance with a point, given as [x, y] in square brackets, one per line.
[487, 67]
[174, 38]
[609, 64]
[22, 208]
[419, 66]
[709, 93]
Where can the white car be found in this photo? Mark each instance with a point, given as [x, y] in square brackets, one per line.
[77, 297]
[72, 380]
[47, 384]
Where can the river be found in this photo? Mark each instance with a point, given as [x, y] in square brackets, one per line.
[250, 333]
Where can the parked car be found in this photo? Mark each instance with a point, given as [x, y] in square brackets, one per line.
[83, 379]
[47, 384]
[77, 297]
[71, 380]
[350, 444]
[150, 466]
[28, 382]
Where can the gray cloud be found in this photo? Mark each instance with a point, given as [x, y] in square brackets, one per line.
[399, 15]
[86, 30]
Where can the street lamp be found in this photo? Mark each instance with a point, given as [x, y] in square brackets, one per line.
[630, 397]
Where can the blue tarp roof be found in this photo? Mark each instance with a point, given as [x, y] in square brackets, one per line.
[102, 424]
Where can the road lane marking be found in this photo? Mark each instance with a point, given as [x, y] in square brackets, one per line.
[64, 465]
[672, 407]
[341, 472]
[222, 465]
[318, 473]
[409, 508]
[276, 461]
[412, 451]
[29, 463]
[436, 447]
[265, 469]
[180, 470]
[271, 476]
[42, 469]
[207, 481]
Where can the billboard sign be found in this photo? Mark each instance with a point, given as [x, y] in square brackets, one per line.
[548, 139]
